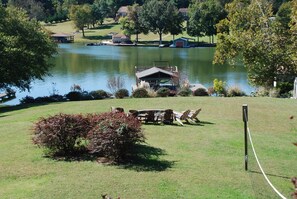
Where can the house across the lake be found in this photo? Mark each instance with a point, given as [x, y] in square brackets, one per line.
[181, 42]
[122, 12]
[63, 38]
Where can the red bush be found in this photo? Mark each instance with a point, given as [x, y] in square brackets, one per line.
[61, 133]
[114, 136]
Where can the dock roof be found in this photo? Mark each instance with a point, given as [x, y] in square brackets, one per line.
[152, 71]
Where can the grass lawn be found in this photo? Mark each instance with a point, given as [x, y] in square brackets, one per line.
[101, 33]
[193, 161]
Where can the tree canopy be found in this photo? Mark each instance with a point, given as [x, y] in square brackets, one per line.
[160, 16]
[25, 49]
[251, 33]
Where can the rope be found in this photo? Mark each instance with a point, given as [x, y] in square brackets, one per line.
[266, 178]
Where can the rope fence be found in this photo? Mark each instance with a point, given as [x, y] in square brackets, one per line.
[248, 134]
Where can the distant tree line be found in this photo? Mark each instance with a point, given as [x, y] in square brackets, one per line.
[57, 10]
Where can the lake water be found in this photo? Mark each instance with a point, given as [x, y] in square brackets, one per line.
[92, 66]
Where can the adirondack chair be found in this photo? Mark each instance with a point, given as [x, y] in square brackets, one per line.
[117, 109]
[193, 115]
[167, 116]
[184, 116]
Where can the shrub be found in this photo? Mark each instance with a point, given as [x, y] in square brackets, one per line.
[121, 93]
[115, 83]
[285, 88]
[56, 98]
[235, 91]
[74, 96]
[61, 133]
[86, 96]
[163, 92]
[114, 136]
[200, 92]
[219, 87]
[261, 92]
[140, 93]
[185, 92]
[99, 94]
[151, 92]
[42, 99]
[27, 100]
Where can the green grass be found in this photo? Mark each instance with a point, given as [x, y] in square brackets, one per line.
[101, 33]
[193, 161]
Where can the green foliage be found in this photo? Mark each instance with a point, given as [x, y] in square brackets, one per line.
[219, 87]
[285, 88]
[99, 94]
[74, 96]
[115, 136]
[140, 93]
[267, 49]
[121, 93]
[99, 11]
[131, 24]
[160, 17]
[81, 15]
[235, 91]
[25, 49]
[61, 133]
[185, 92]
[203, 17]
[200, 92]
[163, 92]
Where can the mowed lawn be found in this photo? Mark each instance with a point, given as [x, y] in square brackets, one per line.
[193, 161]
[102, 32]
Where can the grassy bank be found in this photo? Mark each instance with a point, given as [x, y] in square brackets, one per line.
[101, 33]
[194, 161]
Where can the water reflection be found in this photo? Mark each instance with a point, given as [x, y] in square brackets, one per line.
[92, 66]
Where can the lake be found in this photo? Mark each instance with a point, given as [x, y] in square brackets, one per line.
[92, 66]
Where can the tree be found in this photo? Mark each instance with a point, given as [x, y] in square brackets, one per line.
[156, 16]
[81, 16]
[265, 48]
[131, 24]
[175, 26]
[34, 8]
[99, 11]
[204, 15]
[25, 49]
[195, 27]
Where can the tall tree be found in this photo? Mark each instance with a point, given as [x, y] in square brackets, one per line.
[25, 49]
[99, 11]
[81, 16]
[249, 32]
[34, 8]
[195, 27]
[131, 24]
[156, 16]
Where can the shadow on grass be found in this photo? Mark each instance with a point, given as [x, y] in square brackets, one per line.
[268, 174]
[6, 109]
[142, 158]
[146, 158]
[98, 37]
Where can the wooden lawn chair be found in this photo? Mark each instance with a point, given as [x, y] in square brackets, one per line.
[117, 109]
[151, 117]
[133, 113]
[168, 116]
[193, 115]
[179, 117]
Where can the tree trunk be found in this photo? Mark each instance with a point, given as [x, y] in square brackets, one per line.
[160, 35]
[83, 32]
[136, 38]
